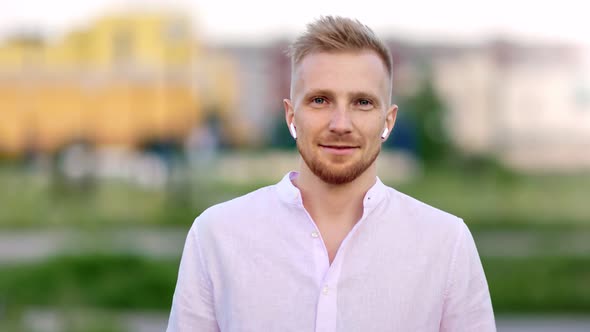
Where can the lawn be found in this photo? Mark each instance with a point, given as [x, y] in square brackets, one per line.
[482, 199]
[517, 285]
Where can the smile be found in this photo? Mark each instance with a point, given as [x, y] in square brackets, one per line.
[339, 149]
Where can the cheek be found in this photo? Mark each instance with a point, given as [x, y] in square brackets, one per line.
[373, 132]
[307, 129]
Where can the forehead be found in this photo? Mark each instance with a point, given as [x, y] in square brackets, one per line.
[342, 72]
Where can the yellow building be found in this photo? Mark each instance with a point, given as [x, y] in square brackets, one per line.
[124, 80]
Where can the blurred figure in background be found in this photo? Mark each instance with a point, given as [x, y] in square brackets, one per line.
[331, 247]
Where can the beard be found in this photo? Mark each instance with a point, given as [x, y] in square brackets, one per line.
[337, 175]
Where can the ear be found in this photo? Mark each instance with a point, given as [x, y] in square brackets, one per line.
[289, 111]
[390, 119]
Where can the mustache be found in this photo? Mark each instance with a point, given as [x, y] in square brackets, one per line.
[339, 140]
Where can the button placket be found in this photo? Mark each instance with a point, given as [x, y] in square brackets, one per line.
[327, 276]
[327, 310]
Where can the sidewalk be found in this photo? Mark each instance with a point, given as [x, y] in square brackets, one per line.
[50, 321]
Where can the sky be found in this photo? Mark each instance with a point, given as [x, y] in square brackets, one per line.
[257, 21]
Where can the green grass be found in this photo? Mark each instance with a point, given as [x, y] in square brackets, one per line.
[116, 282]
[539, 284]
[30, 201]
[523, 285]
[482, 198]
[503, 200]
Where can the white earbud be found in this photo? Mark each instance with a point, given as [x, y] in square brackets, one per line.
[292, 129]
[385, 131]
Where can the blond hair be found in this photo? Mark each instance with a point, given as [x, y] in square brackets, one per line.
[338, 34]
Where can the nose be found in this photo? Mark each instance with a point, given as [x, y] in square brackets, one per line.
[340, 123]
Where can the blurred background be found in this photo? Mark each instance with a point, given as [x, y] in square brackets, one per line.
[120, 122]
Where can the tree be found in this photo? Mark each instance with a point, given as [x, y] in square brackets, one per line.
[428, 114]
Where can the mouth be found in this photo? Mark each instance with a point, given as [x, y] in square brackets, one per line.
[339, 149]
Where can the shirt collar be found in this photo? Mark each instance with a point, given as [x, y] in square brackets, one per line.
[290, 194]
[287, 190]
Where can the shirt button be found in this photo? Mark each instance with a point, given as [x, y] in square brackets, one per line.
[315, 234]
[325, 290]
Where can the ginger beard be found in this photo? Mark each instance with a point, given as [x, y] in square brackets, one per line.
[337, 172]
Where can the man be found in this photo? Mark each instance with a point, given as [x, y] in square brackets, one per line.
[331, 248]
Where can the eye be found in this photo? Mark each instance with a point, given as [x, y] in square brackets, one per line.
[365, 104]
[318, 100]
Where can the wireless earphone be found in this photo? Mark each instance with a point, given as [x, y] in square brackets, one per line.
[385, 131]
[292, 129]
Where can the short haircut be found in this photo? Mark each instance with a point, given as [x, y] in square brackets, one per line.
[338, 34]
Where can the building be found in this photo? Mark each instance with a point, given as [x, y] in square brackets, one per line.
[124, 80]
[525, 104]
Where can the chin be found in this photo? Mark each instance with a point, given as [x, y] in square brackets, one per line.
[337, 173]
[337, 169]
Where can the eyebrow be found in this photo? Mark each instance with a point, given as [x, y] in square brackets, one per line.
[318, 92]
[365, 95]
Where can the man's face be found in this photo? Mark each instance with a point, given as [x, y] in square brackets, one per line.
[340, 107]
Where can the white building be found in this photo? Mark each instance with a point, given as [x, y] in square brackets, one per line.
[527, 105]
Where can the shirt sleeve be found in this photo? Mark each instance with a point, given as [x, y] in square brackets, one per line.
[467, 305]
[192, 304]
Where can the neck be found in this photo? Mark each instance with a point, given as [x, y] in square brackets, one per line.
[334, 202]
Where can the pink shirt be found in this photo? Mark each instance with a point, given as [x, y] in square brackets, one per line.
[258, 263]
